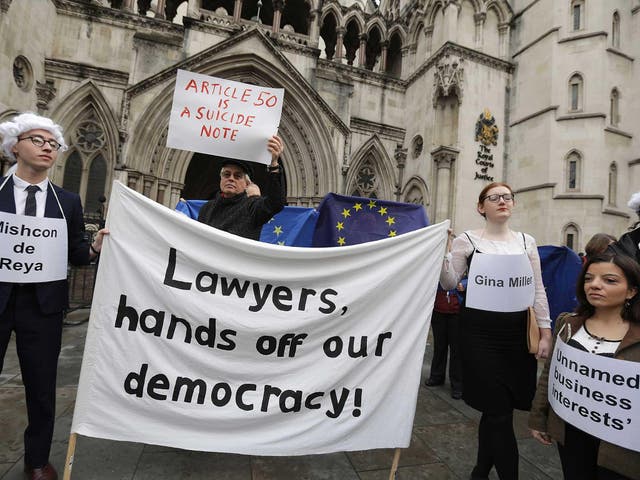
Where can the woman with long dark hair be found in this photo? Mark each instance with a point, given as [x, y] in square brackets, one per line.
[607, 323]
[498, 372]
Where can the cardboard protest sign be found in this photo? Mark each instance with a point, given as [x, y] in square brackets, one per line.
[222, 117]
[598, 395]
[32, 249]
[203, 340]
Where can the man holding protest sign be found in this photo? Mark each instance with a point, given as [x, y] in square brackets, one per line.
[232, 210]
[41, 227]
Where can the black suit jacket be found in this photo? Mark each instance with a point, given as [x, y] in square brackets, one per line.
[52, 297]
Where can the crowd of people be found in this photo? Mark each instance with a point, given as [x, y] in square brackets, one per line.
[479, 321]
[497, 370]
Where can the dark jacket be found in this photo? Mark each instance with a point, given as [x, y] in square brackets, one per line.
[52, 297]
[544, 419]
[629, 244]
[242, 215]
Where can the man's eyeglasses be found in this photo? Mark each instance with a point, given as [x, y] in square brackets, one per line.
[238, 175]
[495, 198]
[38, 141]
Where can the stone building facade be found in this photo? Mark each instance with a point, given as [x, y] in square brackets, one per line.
[421, 101]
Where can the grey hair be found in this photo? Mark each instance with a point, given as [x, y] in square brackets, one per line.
[24, 122]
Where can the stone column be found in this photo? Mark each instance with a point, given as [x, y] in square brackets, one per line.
[400, 156]
[237, 10]
[314, 27]
[503, 30]
[363, 49]
[340, 31]
[160, 7]
[384, 45]
[428, 37]
[444, 159]
[451, 12]
[128, 5]
[278, 7]
[479, 36]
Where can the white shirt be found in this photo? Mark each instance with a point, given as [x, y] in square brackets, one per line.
[455, 265]
[20, 195]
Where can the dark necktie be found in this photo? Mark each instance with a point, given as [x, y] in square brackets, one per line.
[30, 204]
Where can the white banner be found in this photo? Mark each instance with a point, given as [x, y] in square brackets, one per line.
[32, 249]
[500, 283]
[222, 117]
[202, 340]
[598, 395]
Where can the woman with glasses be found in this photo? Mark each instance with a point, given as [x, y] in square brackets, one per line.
[504, 279]
[606, 323]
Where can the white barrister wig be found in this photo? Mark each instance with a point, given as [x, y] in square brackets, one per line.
[12, 129]
[634, 202]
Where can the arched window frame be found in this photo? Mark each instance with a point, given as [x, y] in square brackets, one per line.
[615, 30]
[571, 236]
[614, 107]
[576, 93]
[613, 184]
[573, 171]
[578, 16]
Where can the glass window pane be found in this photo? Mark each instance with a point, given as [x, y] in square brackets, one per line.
[72, 173]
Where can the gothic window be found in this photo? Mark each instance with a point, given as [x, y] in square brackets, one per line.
[615, 30]
[263, 14]
[214, 5]
[366, 181]
[296, 14]
[328, 33]
[614, 108]
[415, 196]
[573, 171]
[351, 41]
[394, 56]
[570, 236]
[576, 93]
[73, 173]
[95, 185]
[373, 49]
[417, 146]
[613, 184]
[577, 15]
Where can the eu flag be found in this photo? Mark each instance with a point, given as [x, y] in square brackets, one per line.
[345, 220]
[293, 226]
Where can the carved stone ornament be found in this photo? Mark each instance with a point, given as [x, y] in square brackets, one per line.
[89, 136]
[45, 93]
[448, 78]
[22, 73]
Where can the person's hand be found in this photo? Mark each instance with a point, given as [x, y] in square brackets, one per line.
[544, 347]
[275, 147]
[542, 437]
[252, 190]
[460, 287]
[450, 237]
[96, 246]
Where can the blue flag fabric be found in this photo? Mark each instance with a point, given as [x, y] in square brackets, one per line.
[293, 227]
[345, 220]
[190, 208]
[560, 269]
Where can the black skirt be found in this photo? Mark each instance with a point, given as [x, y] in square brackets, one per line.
[498, 372]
